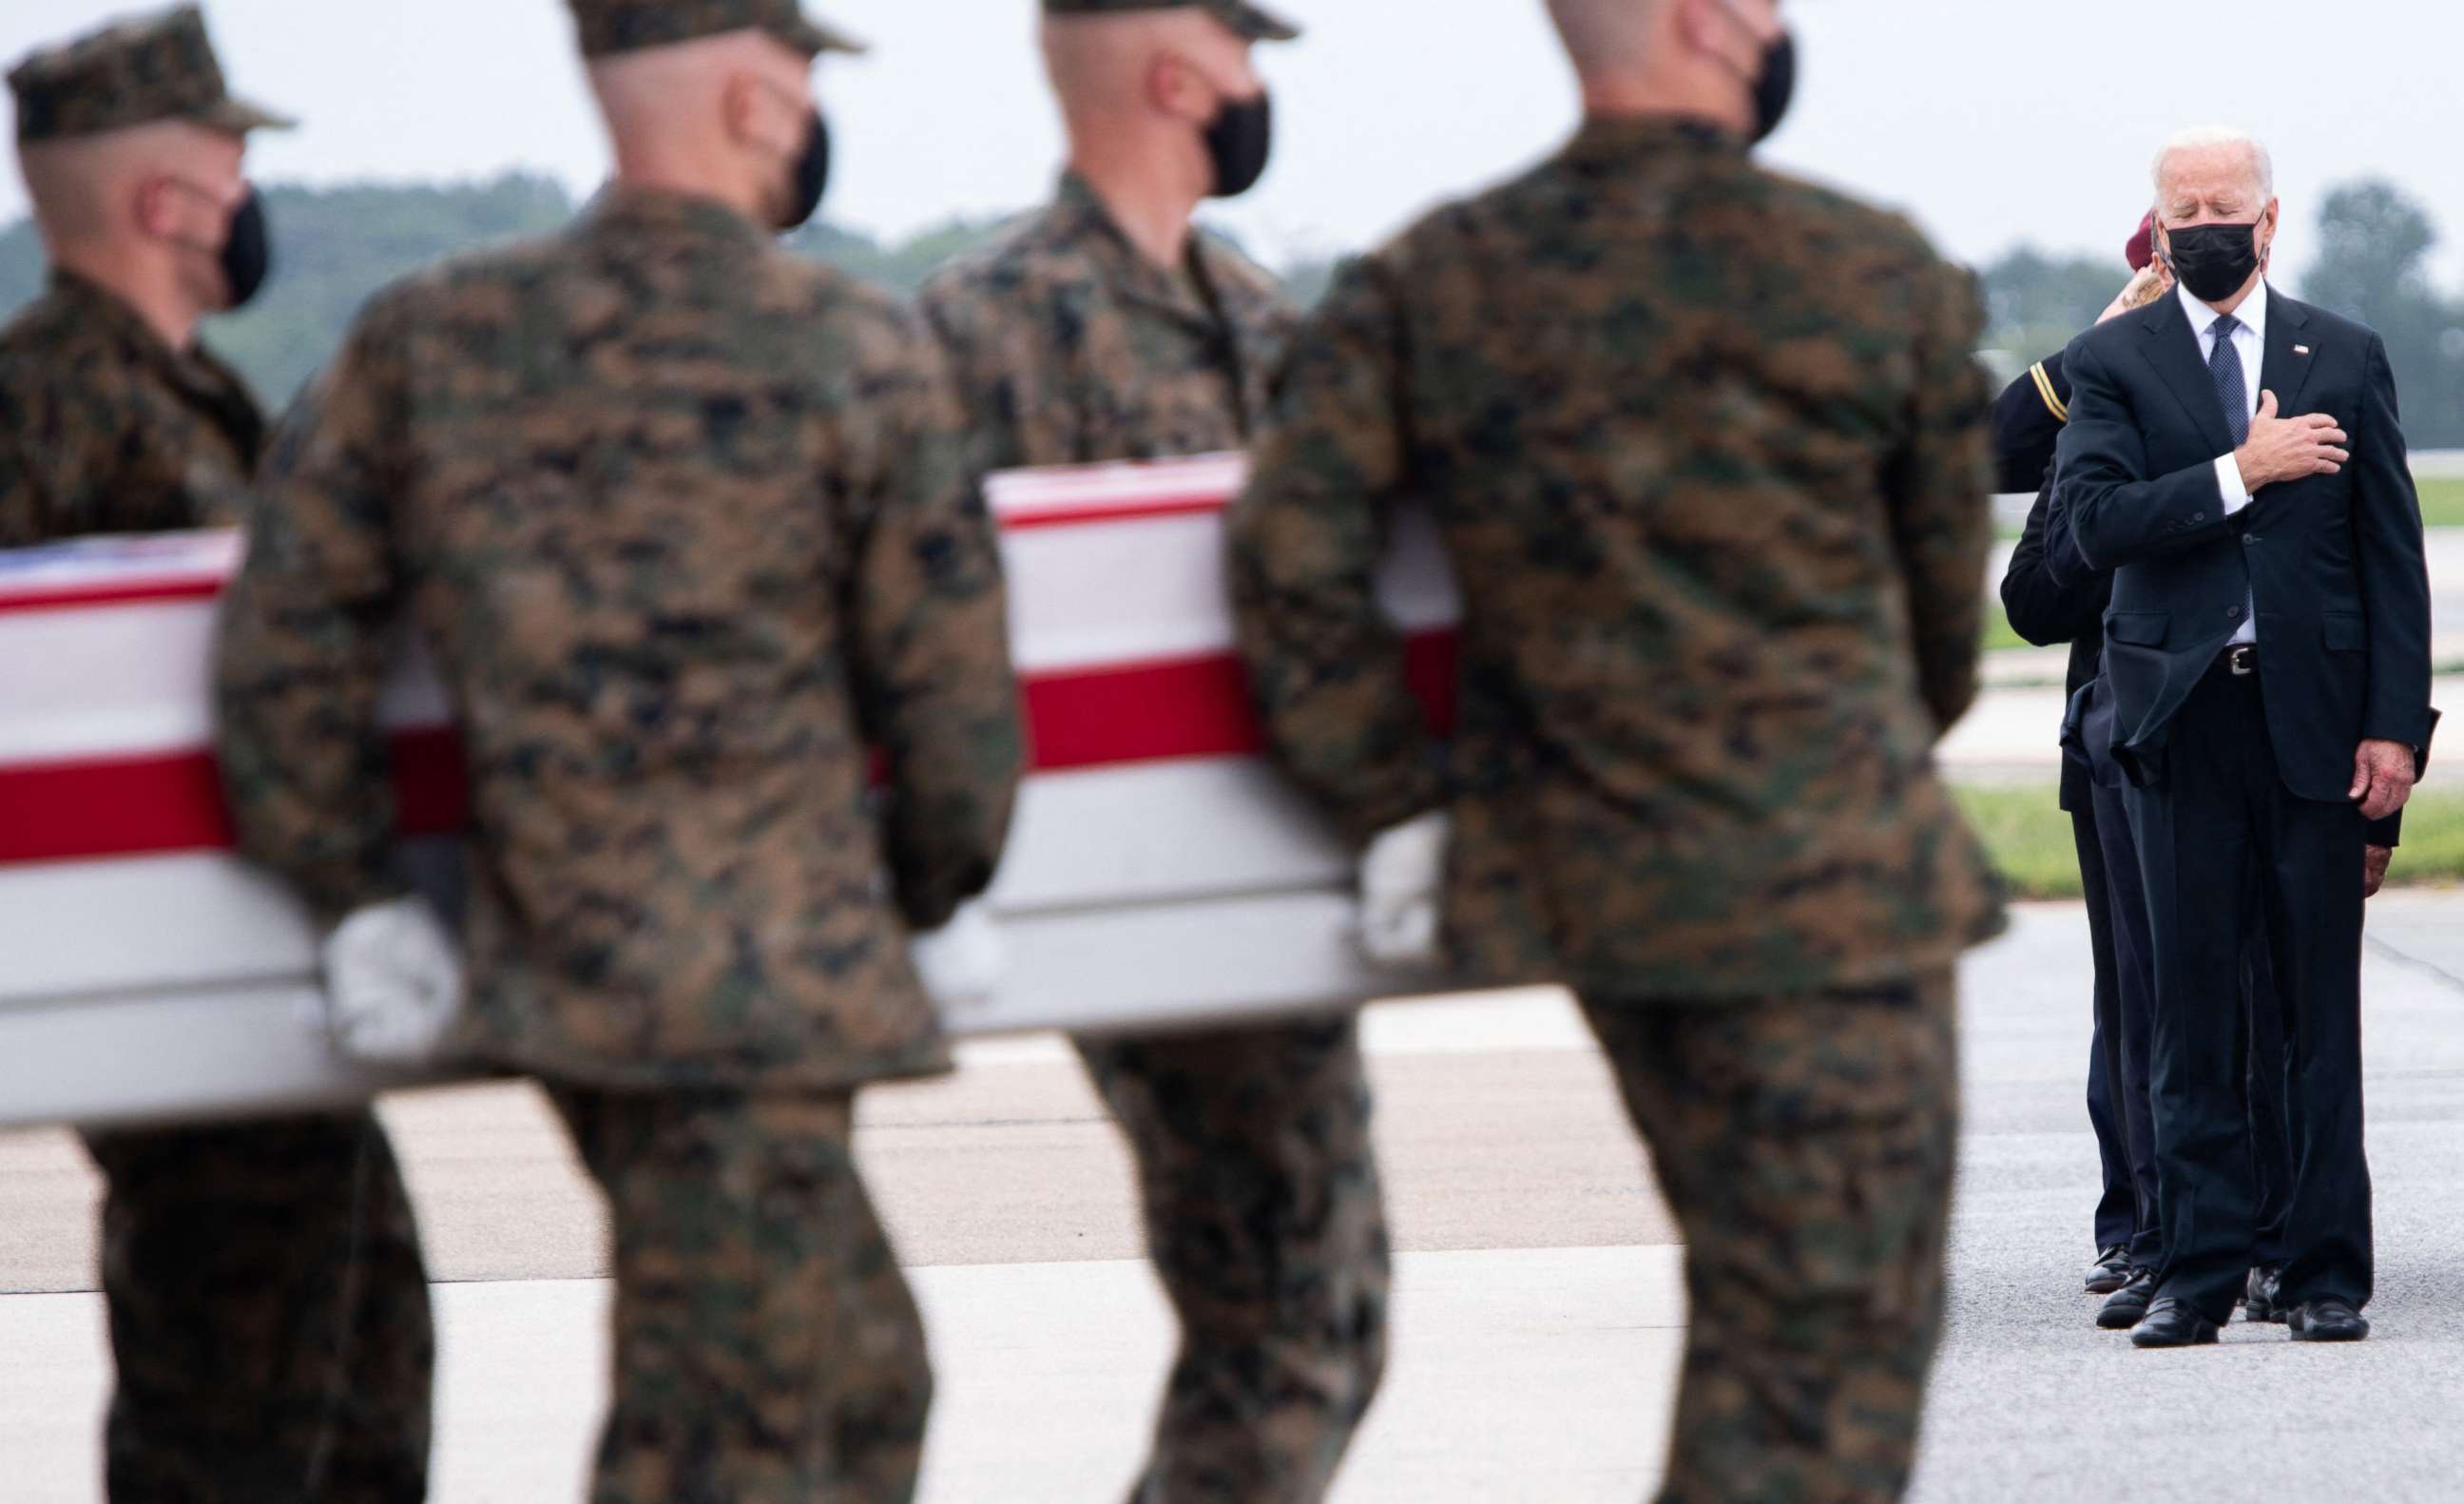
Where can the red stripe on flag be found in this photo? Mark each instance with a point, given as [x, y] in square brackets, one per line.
[1083, 718]
[173, 802]
[125, 592]
[122, 807]
[1198, 707]
[1104, 512]
[431, 782]
[1188, 707]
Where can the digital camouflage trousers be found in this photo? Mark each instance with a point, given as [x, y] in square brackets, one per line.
[1806, 1145]
[766, 1348]
[1268, 1227]
[269, 1316]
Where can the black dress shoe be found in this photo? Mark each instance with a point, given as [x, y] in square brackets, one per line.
[2170, 1322]
[2329, 1321]
[2125, 1308]
[2110, 1271]
[2263, 1300]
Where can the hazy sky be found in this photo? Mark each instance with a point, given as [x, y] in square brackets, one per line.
[1995, 123]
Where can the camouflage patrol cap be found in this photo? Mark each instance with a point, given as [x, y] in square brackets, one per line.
[133, 73]
[608, 26]
[1254, 22]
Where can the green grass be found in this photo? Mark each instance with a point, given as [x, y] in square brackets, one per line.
[2029, 840]
[1997, 629]
[2433, 840]
[2442, 502]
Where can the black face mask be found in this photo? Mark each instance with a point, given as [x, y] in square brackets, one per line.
[1239, 143]
[1775, 86]
[248, 250]
[2213, 260]
[808, 176]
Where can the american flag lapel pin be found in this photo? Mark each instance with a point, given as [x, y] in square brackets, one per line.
[2302, 349]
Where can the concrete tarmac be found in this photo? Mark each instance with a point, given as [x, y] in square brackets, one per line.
[1539, 1307]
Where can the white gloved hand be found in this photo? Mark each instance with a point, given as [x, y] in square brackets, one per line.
[1402, 877]
[961, 963]
[393, 984]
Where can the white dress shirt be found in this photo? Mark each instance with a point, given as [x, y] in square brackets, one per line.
[2250, 342]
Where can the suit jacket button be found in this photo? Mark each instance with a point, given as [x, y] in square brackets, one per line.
[2198, 516]
[2234, 612]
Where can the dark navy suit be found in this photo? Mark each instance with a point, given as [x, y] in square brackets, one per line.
[2239, 800]
[2052, 596]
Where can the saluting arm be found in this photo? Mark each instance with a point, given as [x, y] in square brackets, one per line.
[2395, 581]
[930, 656]
[2048, 604]
[2118, 514]
[2027, 419]
[1942, 520]
[302, 657]
[1325, 666]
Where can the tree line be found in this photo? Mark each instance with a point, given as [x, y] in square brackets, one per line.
[338, 244]
[2374, 244]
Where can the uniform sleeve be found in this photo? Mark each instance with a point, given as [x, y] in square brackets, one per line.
[2046, 603]
[967, 326]
[930, 655]
[302, 657]
[2028, 417]
[1942, 520]
[1326, 667]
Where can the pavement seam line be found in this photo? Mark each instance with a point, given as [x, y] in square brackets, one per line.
[2389, 952]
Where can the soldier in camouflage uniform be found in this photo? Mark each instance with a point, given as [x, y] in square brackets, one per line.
[683, 520]
[269, 1309]
[1103, 328]
[1706, 448]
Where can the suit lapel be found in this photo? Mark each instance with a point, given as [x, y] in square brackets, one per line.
[2284, 372]
[2175, 351]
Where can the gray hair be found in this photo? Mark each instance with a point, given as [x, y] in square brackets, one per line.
[2208, 138]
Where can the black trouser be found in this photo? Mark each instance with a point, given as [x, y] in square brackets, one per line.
[2118, 1221]
[2271, 1143]
[2124, 1042]
[2125, 1007]
[2222, 842]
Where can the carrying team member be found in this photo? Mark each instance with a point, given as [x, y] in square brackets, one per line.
[269, 1310]
[1706, 448]
[1105, 328]
[683, 520]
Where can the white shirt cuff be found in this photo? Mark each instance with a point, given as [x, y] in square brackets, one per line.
[2228, 482]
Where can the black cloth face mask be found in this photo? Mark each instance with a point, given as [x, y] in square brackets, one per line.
[248, 250]
[2213, 260]
[1239, 143]
[808, 176]
[246, 254]
[1775, 86]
